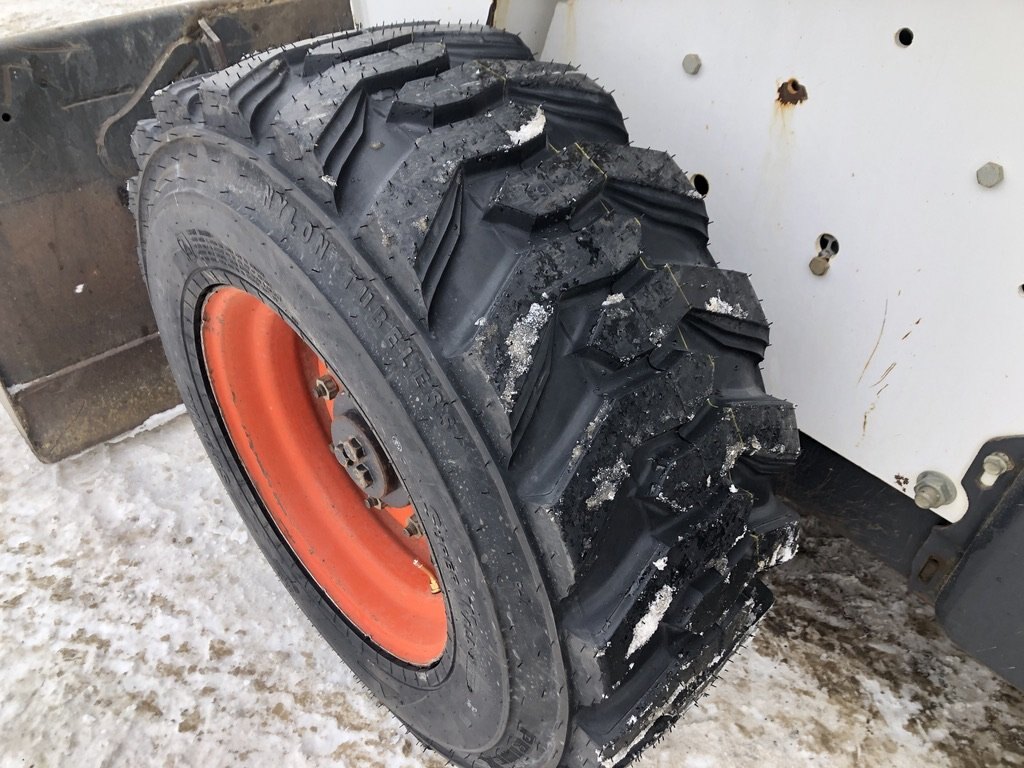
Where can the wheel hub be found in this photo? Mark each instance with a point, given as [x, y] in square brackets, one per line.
[357, 450]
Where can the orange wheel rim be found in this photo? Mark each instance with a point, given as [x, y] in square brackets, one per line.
[378, 575]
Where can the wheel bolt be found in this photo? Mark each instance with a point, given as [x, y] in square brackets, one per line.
[326, 387]
[933, 489]
[994, 466]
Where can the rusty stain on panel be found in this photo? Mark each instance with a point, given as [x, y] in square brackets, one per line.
[887, 372]
[791, 92]
[885, 316]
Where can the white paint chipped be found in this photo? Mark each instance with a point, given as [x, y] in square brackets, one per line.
[529, 130]
[329, 180]
[661, 564]
[608, 481]
[613, 298]
[520, 344]
[648, 625]
[80, 287]
[480, 322]
[719, 306]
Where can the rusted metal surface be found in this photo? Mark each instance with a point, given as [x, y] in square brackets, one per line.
[792, 91]
[80, 361]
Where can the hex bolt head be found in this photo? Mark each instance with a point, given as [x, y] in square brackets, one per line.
[326, 387]
[691, 63]
[933, 489]
[994, 466]
[990, 174]
[927, 497]
[997, 463]
[819, 265]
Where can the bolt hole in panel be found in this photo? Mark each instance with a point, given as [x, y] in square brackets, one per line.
[904, 37]
[6, 117]
[792, 91]
[701, 184]
[828, 243]
[893, 364]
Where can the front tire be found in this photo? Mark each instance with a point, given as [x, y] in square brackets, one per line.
[524, 314]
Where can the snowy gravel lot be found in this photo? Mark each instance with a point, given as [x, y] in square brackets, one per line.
[140, 626]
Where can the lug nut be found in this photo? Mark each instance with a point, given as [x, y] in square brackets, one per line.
[933, 489]
[412, 528]
[326, 387]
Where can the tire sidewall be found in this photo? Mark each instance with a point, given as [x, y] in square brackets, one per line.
[495, 692]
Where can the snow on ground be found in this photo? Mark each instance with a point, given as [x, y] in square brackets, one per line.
[140, 626]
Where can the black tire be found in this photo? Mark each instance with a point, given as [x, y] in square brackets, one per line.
[534, 314]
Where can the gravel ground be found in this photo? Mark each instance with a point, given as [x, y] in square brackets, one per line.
[139, 625]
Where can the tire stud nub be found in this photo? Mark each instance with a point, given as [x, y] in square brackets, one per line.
[325, 387]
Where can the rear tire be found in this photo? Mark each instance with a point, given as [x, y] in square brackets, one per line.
[524, 308]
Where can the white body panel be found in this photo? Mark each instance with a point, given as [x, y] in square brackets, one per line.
[903, 357]
[367, 13]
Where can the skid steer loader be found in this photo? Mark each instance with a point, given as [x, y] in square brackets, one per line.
[455, 340]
